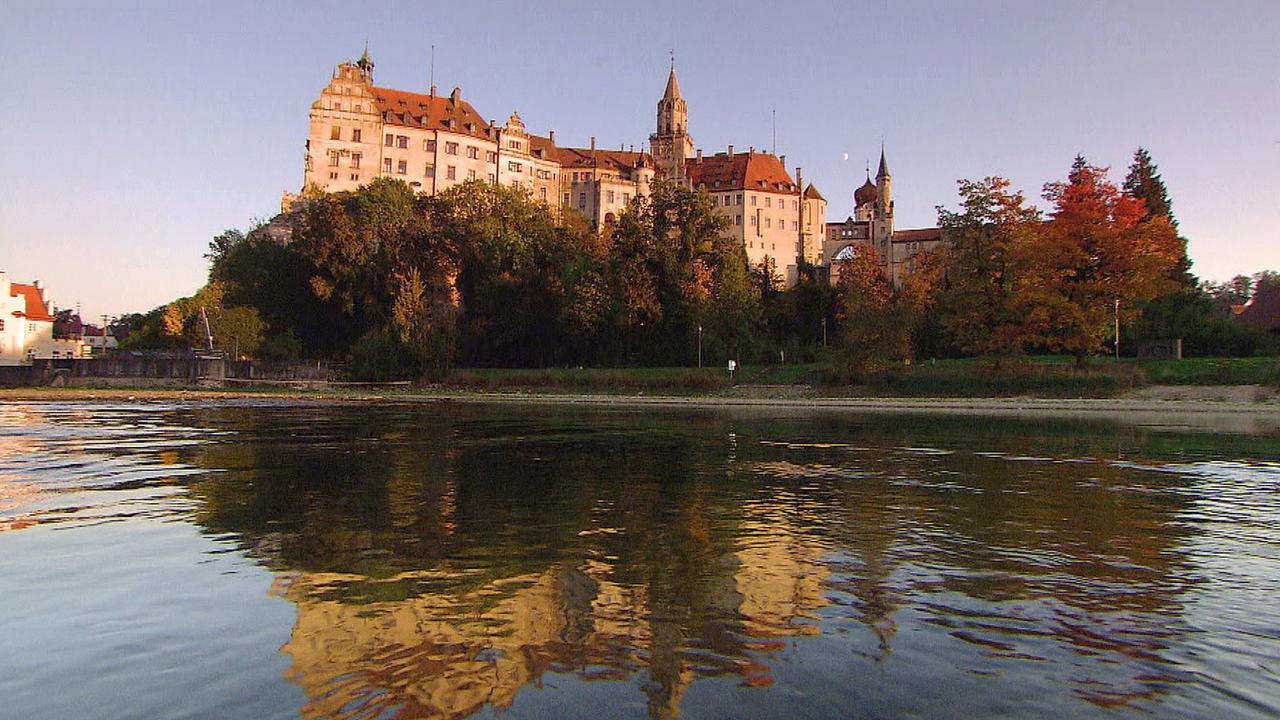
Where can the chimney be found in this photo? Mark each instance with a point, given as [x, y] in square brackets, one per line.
[699, 155]
[455, 95]
[783, 158]
[433, 91]
[551, 135]
[593, 143]
[730, 151]
[751, 151]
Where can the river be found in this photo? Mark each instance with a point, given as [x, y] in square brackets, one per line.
[260, 559]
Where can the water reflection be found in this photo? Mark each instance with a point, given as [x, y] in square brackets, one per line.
[445, 561]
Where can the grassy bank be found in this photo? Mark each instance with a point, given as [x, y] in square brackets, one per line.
[1050, 377]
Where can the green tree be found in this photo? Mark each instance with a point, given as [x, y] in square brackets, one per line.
[991, 242]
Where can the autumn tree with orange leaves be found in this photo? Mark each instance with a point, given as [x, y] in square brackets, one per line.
[1094, 251]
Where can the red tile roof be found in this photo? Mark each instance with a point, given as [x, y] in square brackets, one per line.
[432, 111]
[920, 235]
[541, 147]
[36, 308]
[741, 171]
[611, 159]
[811, 193]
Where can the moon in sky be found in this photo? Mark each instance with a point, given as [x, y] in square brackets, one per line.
[846, 157]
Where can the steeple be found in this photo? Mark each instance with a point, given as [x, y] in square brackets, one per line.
[884, 165]
[673, 86]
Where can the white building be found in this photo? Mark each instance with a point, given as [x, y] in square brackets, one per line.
[26, 326]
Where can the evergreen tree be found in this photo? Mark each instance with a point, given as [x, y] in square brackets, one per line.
[1144, 183]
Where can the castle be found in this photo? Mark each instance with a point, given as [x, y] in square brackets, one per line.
[359, 131]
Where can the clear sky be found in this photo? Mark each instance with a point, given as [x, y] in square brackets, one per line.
[133, 133]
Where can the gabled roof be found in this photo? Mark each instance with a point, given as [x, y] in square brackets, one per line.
[741, 171]
[811, 193]
[433, 112]
[36, 308]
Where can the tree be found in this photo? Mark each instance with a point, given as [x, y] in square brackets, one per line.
[991, 239]
[1094, 252]
[873, 326]
[1145, 184]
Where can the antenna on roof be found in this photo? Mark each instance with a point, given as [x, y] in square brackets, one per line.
[775, 131]
[433, 69]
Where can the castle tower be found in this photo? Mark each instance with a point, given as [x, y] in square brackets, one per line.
[671, 145]
[882, 219]
[884, 203]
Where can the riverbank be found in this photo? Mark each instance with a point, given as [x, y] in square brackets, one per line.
[1173, 400]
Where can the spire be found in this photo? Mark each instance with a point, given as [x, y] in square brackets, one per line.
[364, 63]
[884, 165]
[673, 87]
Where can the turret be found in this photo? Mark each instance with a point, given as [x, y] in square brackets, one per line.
[884, 201]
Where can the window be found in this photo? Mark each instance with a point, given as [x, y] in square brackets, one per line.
[451, 173]
[490, 156]
[471, 174]
[513, 144]
[333, 158]
[542, 194]
[333, 176]
[626, 198]
[609, 197]
[386, 165]
[582, 200]
[403, 167]
[429, 145]
[431, 170]
[390, 140]
[794, 226]
[355, 158]
[493, 179]
[768, 202]
[737, 219]
[473, 152]
[359, 108]
[355, 176]
[566, 198]
[1, 323]
[739, 201]
[575, 177]
[451, 148]
[335, 132]
[753, 220]
[402, 142]
[753, 201]
[768, 222]
[513, 166]
[355, 135]
[515, 184]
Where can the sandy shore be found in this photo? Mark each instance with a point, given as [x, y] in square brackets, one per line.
[1170, 401]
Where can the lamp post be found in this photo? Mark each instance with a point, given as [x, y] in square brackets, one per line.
[699, 346]
[1117, 329]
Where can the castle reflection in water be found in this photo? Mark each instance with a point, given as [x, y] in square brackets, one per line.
[441, 564]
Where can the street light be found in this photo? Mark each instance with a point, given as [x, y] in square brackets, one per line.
[1117, 329]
